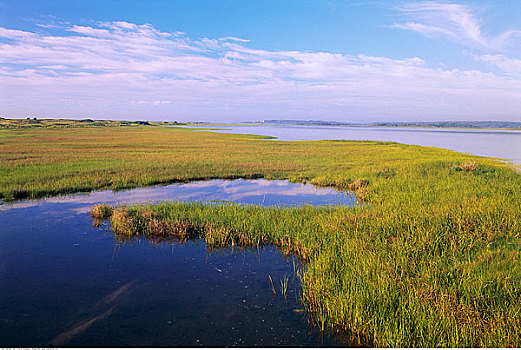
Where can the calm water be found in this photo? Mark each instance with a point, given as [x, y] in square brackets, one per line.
[504, 144]
[67, 283]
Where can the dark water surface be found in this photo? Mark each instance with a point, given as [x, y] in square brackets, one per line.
[503, 144]
[64, 282]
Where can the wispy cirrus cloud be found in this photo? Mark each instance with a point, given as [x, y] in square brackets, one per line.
[451, 20]
[509, 65]
[126, 70]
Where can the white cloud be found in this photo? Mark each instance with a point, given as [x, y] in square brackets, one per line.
[503, 62]
[162, 102]
[16, 34]
[233, 38]
[89, 31]
[427, 30]
[451, 20]
[121, 70]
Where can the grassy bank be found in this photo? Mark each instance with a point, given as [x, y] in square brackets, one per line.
[32, 123]
[433, 260]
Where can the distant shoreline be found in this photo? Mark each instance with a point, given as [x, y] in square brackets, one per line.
[449, 124]
[39, 122]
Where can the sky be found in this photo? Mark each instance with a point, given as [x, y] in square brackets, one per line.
[229, 61]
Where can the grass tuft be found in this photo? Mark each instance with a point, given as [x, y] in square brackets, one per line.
[101, 211]
[467, 166]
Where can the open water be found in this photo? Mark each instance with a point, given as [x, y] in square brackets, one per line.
[64, 282]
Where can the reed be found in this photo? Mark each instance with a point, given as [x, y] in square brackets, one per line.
[284, 281]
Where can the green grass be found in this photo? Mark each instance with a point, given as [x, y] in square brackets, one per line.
[32, 123]
[433, 258]
[284, 286]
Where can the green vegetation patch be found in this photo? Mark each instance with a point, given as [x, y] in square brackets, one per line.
[67, 123]
[432, 259]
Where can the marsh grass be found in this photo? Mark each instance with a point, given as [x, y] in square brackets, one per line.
[31, 123]
[432, 259]
[284, 282]
[272, 286]
[101, 212]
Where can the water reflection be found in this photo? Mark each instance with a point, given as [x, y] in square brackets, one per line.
[259, 191]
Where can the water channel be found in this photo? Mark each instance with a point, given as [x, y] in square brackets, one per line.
[67, 283]
[503, 144]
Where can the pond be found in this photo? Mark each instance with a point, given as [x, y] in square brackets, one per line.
[258, 192]
[67, 283]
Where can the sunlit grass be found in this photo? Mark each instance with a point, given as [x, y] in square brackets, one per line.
[67, 123]
[433, 257]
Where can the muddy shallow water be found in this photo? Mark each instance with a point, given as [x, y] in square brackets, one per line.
[67, 283]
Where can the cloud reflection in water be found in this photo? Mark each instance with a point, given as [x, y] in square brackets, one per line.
[258, 191]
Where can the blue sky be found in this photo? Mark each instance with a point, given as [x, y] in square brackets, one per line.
[247, 60]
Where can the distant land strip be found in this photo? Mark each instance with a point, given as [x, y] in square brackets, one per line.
[440, 124]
